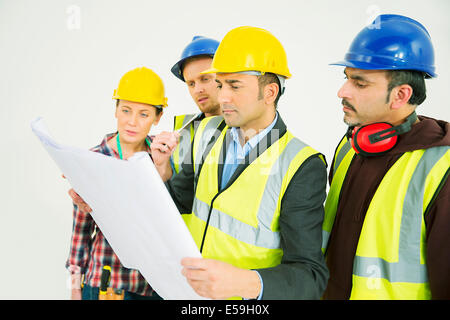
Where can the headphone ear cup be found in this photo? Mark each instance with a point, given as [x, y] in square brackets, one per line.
[353, 140]
[361, 139]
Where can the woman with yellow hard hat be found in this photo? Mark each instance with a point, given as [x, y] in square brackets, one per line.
[140, 102]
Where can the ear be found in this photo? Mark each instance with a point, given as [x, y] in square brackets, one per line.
[400, 96]
[270, 93]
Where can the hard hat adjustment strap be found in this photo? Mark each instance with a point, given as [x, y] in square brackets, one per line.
[281, 79]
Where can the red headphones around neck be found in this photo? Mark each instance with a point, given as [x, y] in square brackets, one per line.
[378, 138]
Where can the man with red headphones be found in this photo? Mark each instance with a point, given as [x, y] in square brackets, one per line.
[387, 215]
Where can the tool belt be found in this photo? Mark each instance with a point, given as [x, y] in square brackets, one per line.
[108, 293]
[111, 294]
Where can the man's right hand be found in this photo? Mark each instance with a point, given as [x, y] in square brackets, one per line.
[162, 146]
[82, 206]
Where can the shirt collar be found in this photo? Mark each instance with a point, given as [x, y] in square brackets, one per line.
[107, 150]
[254, 140]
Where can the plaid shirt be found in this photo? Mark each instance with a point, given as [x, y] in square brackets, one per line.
[90, 251]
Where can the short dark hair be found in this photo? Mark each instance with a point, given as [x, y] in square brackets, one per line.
[265, 79]
[158, 109]
[194, 58]
[413, 78]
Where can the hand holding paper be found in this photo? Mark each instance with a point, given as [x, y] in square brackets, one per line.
[134, 211]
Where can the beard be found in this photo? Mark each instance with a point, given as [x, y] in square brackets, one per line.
[213, 107]
[347, 116]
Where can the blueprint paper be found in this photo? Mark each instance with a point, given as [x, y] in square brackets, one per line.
[133, 209]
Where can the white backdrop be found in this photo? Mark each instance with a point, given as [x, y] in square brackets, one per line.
[62, 60]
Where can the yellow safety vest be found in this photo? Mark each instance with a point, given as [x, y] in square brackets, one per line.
[239, 225]
[390, 257]
[186, 137]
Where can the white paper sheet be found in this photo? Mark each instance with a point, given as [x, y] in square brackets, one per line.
[134, 211]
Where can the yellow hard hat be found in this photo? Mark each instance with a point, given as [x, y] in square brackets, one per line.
[141, 85]
[250, 49]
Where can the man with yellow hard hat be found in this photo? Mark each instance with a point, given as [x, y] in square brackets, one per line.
[253, 193]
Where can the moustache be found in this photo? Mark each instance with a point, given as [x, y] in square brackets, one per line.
[348, 105]
[228, 107]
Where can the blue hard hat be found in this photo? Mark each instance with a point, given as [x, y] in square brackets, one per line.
[199, 46]
[392, 42]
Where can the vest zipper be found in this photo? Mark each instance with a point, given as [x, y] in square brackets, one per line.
[221, 127]
[197, 176]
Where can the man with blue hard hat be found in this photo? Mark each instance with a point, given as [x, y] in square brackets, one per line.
[385, 231]
[196, 57]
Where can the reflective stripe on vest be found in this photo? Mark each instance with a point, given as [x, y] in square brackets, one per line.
[243, 221]
[207, 129]
[390, 257]
[343, 150]
[343, 158]
[262, 235]
[186, 137]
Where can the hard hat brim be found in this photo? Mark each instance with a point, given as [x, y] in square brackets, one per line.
[177, 69]
[215, 70]
[210, 70]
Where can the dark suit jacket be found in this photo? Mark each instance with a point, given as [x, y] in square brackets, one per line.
[302, 273]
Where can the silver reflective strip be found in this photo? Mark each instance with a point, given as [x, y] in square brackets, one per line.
[262, 236]
[340, 156]
[393, 272]
[343, 151]
[237, 229]
[408, 268]
[188, 117]
[325, 238]
[208, 132]
[185, 140]
[272, 190]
